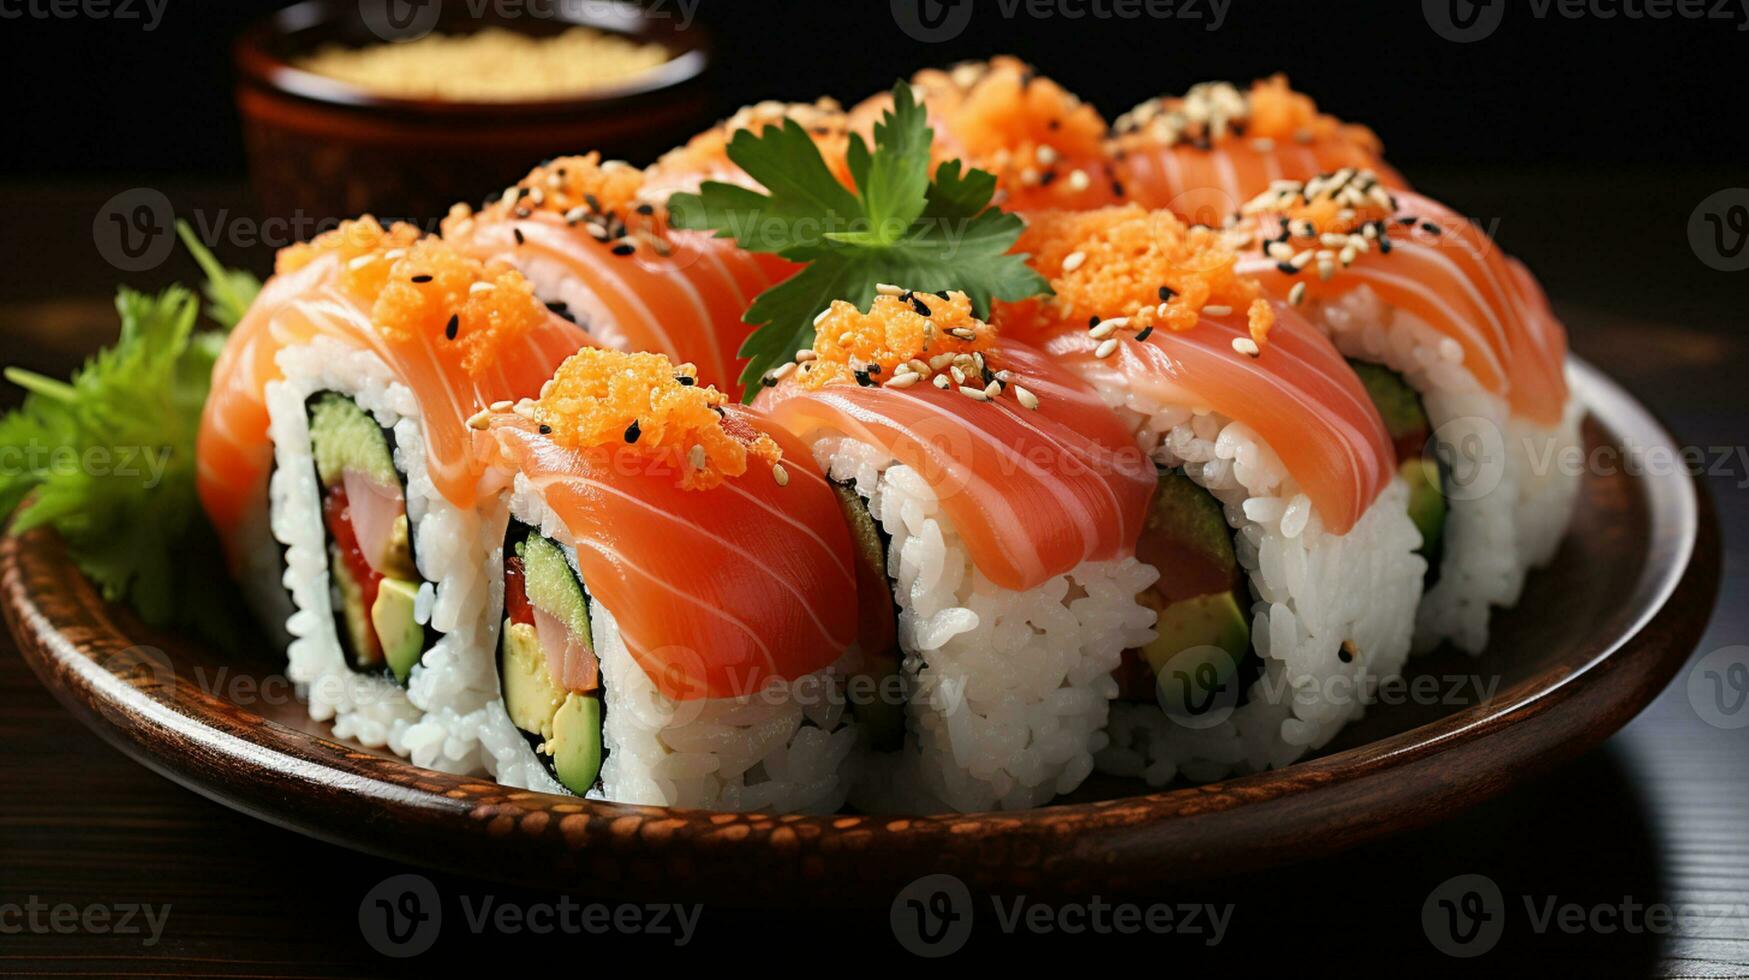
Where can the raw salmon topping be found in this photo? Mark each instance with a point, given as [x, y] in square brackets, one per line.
[905, 337]
[1324, 225]
[1216, 111]
[1138, 270]
[1010, 118]
[648, 405]
[708, 152]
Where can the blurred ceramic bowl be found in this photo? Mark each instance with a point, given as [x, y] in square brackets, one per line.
[321, 149]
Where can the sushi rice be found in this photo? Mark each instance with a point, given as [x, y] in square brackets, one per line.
[784, 747]
[1007, 691]
[1314, 596]
[449, 544]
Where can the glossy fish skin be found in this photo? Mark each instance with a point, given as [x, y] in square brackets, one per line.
[715, 591]
[235, 457]
[1447, 272]
[1033, 493]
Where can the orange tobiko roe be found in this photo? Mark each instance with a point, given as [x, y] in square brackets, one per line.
[648, 405]
[1145, 265]
[854, 347]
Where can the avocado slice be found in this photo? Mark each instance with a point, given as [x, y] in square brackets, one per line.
[552, 584]
[576, 743]
[1398, 403]
[345, 437]
[1186, 536]
[530, 697]
[881, 720]
[402, 638]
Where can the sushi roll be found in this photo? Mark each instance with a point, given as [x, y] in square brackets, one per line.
[996, 500]
[600, 255]
[1203, 154]
[1460, 350]
[1280, 528]
[1043, 144]
[706, 156]
[338, 421]
[678, 587]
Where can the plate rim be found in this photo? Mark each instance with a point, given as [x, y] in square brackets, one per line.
[1312, 808]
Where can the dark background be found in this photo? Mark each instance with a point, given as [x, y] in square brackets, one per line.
[1586, 144]
[104, 97]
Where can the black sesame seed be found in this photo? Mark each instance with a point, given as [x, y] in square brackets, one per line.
[874, 369]
[768, 381]
[862, 379]
[1117, 187]
[1287, 269]
[632, 432]
[1092, 321]
[1047, 178]
[1166, 294]
[422, 278]
[1384, 246]
[546, 430]
[646, 209]
[453, 327]
[518, 233]
[1055, 124]
[593, 202]
[685, 381]
[1144, 333]
[1344, 656]
[1432, 229]
[624, 248]
[943, 294]
[921, 307]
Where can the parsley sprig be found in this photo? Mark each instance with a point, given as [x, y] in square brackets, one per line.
[106, 458]
[898, 226]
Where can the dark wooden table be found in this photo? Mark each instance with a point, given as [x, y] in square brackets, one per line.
[1658, 817]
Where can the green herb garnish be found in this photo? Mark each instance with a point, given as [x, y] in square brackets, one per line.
[107, 459]
[898, 226]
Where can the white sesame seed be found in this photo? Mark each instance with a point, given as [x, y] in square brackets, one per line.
[695, 456]
[1074, 261]
[1217, 310]
[783, 371]
[805, 355]
[1106, 349]
[904, 379]
[1047, 155]
[822, 315]
[993, 389]
[964, 333]
[503, 405]
[975, 394]
[942, 382]
[479, 287]
[1079, 181]
[362, 261]
[1102, 331]
[780, 474]
[888, 289]
[576, 214]
[941, 361]
[1246, 346]
[1026, 398]
[1297, 295]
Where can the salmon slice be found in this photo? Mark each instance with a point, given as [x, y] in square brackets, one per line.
[1206, 153]
[346, 286]
[716, 587]
[602, 257]
[1041, 141]
[1033, 491]
[706, 156]
[1167, 284]
[1443, 269]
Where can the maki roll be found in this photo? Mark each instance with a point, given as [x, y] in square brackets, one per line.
[705, 157]
[601, 255]
[677, 588]
[997, 502]
[1043, 144]
[1463, 356]
[338, 420]
[1280, 528]
[1203, 154]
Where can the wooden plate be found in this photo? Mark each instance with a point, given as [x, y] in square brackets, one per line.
[1595, 638]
